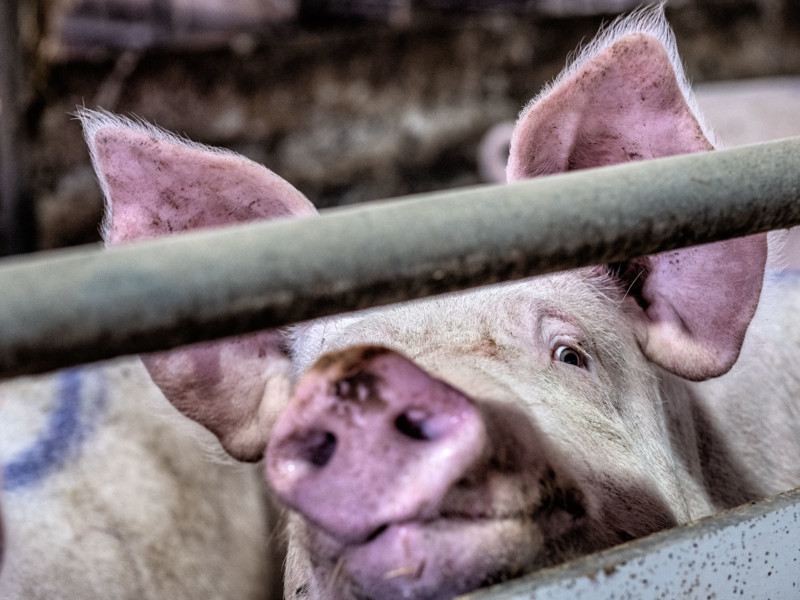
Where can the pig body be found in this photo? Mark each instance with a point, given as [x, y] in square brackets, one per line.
[432, 448]
[107, 494]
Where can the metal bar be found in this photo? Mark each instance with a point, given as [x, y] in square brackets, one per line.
[746, 552]
[85, 305]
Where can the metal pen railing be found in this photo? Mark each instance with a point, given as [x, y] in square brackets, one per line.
[747, 552]
[75, 306]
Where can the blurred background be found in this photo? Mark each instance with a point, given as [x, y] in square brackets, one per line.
[350, 100]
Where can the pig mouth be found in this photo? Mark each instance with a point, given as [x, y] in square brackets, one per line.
[443, 556]
[435, 559]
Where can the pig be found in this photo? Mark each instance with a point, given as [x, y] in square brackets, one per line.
[431, 448]
[107, 492]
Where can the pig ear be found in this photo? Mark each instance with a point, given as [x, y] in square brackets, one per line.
[157, 184]
[626, 99]
[698, 303]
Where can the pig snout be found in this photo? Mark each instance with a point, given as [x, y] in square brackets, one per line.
[370, 440]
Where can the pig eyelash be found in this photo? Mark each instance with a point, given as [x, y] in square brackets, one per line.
[571, 356]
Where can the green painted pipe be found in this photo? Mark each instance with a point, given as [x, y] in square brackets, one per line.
[74, 306]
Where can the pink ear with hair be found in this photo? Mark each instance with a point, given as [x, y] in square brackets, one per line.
[624, 104]
[158, 184]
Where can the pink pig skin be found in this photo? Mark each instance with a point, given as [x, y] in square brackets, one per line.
[159, 184]
[435, 447]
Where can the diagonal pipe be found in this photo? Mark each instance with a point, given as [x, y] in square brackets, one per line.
[74, 306]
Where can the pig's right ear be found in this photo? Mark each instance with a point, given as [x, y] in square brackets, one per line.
[621, 102]
[156, 184]
[626, 99]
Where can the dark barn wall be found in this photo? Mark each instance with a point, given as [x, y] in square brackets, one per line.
[349, 100]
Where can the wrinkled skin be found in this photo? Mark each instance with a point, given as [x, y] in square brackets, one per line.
[432, 448]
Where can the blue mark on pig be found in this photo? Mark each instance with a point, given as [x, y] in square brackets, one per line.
[783, 280]
[80, 402]
[792, 275]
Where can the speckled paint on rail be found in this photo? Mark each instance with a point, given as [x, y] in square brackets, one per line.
[748, 552]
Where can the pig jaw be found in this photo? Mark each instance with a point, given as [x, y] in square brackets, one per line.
[427, 560]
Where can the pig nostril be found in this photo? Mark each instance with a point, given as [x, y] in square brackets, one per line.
[319, 448]
[412, 424]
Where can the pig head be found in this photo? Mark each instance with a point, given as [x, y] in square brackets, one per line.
[438, 446]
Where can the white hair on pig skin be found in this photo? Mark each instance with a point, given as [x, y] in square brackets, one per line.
[649, 21]
[435, 447]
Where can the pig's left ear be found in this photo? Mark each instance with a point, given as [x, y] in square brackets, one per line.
[623, 102]
[158, 184]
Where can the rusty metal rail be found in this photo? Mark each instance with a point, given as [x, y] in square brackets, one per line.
[75, 306]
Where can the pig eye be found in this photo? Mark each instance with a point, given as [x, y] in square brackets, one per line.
[570, 356]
